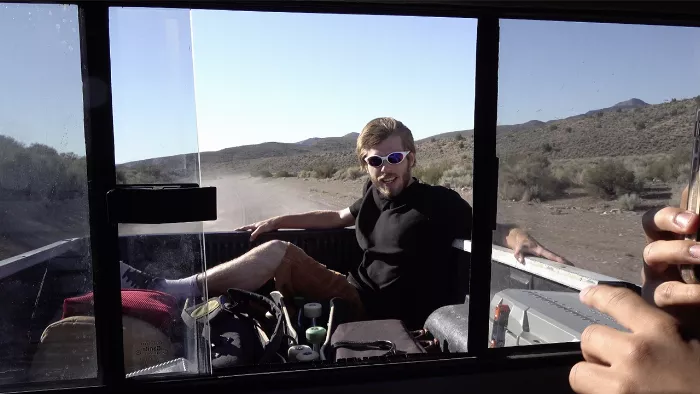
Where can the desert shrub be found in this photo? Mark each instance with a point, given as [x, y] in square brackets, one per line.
[681, 156]
[618, 110]
[350, 173]
[553, 127]
[599, 114]
[568, 175]
[433, 139]
[305, 174]
[261, 173]
[697, 100]
[674, 112]
[661, 169]
[610, 179]
[461, 145]
[671, 167]
[546, 147]
[459, 137]
[323, 170]
[40, 172]
[629, 201]
[568, 129]
[431, 174]
[526, 178]
[459, 176]
[640, 125]
[283, 174]
[673, 100]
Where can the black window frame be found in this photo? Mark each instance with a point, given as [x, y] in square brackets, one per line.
[538, 367]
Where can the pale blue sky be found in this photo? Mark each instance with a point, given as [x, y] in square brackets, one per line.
[258, 77]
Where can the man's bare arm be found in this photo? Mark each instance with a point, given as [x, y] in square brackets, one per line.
[305, 221]
[316, 220]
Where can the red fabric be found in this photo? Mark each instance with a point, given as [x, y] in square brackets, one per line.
[154, 307]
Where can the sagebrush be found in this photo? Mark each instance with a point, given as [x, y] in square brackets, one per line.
[610, 179]
[38, 171]
[528, 177]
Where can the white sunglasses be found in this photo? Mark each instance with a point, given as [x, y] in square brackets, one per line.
[391, 158]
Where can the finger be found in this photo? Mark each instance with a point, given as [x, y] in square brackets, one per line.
[586, 377]
[549, 255]
[668, 223]
[659, 255]
[627, 308]
[255, 233]
[245, 228]
[677, 293]
[603, 345]
[519, 256]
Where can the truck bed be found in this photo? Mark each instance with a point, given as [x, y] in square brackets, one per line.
[35, 284]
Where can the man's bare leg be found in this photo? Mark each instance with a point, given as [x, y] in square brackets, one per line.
[248, 272]
[295, 274]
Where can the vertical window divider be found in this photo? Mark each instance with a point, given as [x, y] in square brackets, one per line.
[101, 175]
[485, 178]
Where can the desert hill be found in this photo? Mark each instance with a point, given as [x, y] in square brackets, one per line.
[628, 128]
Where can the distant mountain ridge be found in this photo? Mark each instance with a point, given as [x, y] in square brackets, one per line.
[628, 104]
[631, 127]
[322, 140]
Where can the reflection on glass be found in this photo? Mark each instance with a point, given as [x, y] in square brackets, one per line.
[44, 249]
[162, 266]
[594, 129]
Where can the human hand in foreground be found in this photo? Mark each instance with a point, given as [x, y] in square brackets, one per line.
[652, 358]
[662, 285]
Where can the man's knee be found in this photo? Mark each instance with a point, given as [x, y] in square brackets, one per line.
[270, 252]
[275, 244]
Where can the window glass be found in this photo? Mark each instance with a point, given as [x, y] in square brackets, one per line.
[595, 128]
[44, 249]
[273, 103]
[156, 143]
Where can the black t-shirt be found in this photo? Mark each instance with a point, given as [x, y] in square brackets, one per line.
[408, 267]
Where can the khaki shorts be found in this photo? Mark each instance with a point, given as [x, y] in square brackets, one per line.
[299, 275]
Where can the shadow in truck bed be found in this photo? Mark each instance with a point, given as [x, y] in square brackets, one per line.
[35, 284]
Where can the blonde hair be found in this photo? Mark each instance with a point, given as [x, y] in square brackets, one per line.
[377, 131]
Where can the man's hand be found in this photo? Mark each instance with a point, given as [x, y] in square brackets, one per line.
[653, 358]
[260, 227]
[523, 244]
[527, 245]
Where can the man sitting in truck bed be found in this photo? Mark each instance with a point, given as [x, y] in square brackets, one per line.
[404, 227]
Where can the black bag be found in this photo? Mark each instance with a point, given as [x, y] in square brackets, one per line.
[239, 330]
[373, 338]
